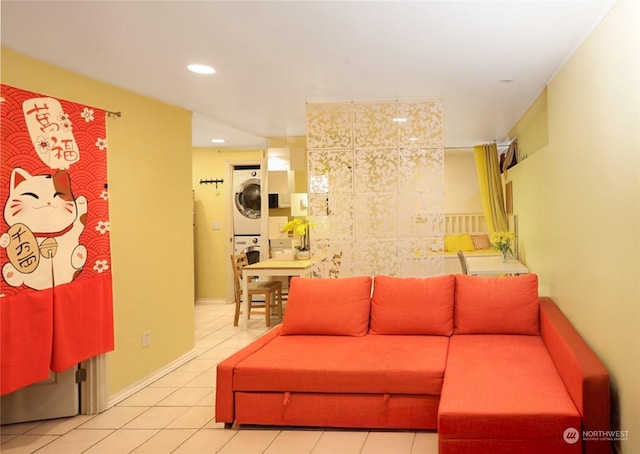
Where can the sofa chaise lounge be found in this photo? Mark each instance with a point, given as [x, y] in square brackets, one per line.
[486, 362]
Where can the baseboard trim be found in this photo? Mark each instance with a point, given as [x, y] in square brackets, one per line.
[158, 374]
[212, 301]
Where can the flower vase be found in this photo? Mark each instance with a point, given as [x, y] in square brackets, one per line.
[505, 256]
[303, 255]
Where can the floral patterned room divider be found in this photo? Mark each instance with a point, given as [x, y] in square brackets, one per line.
[56, 288]
[376, 187]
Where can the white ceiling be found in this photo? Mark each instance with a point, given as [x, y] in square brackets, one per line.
[273, 57]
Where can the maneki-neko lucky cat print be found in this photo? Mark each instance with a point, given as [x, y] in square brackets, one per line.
[45, 223]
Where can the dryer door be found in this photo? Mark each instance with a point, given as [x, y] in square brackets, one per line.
[247, 198]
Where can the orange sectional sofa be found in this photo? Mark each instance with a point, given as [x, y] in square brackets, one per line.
[486, 362]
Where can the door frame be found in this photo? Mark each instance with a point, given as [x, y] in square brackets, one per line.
[94, 393]
[264, 208]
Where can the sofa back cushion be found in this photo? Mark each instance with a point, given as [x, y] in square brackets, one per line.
[497, 305]
[338, 307]
[412, 305]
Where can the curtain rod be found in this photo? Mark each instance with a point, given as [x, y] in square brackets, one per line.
[499, 145]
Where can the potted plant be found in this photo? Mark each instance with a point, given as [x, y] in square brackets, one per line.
[299, 226]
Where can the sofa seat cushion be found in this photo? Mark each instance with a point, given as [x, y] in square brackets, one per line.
[346, 364]
[503, 387]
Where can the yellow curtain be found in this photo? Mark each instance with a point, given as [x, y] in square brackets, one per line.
[490, 181]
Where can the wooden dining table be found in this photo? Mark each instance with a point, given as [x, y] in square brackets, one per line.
[494, 265]
[273, 267]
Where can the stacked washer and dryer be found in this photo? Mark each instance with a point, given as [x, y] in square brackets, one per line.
[246, 211]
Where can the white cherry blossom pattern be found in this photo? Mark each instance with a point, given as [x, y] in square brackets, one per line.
[103, 227]
[101, 143]
[101, 266]
[65, 122]
[87, 114]
[42, 144]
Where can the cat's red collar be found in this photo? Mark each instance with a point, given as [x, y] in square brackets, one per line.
[53, 234]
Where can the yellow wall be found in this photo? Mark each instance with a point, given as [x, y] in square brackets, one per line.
[149, 169]
[213, 247]
[461, 188]
[578, 204]
[532, 129]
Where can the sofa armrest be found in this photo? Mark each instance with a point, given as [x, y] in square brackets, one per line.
[583, 374]
[225, 410]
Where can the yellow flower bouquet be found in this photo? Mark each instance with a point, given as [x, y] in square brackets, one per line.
[501, 241]
[299, 226]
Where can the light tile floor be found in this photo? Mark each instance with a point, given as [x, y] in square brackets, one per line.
[175, 414]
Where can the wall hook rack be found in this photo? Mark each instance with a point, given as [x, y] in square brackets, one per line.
[216, 182]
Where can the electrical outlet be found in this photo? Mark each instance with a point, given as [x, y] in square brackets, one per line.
[146, 339]
[215, 225]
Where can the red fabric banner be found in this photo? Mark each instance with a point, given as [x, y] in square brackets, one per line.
[27, 338]
[55, 291]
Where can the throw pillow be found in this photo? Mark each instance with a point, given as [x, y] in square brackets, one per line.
[412, 305]
[337, 307]
[459, 242]
[481, 241]
[500, 305]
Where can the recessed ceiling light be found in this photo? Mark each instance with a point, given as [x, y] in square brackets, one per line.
[400, 120]
[201, 69]
[217, 140]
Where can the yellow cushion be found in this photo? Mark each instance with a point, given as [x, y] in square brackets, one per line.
[461, 242]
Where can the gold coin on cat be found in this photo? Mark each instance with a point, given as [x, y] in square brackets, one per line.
[22, 250]
[48, 248]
